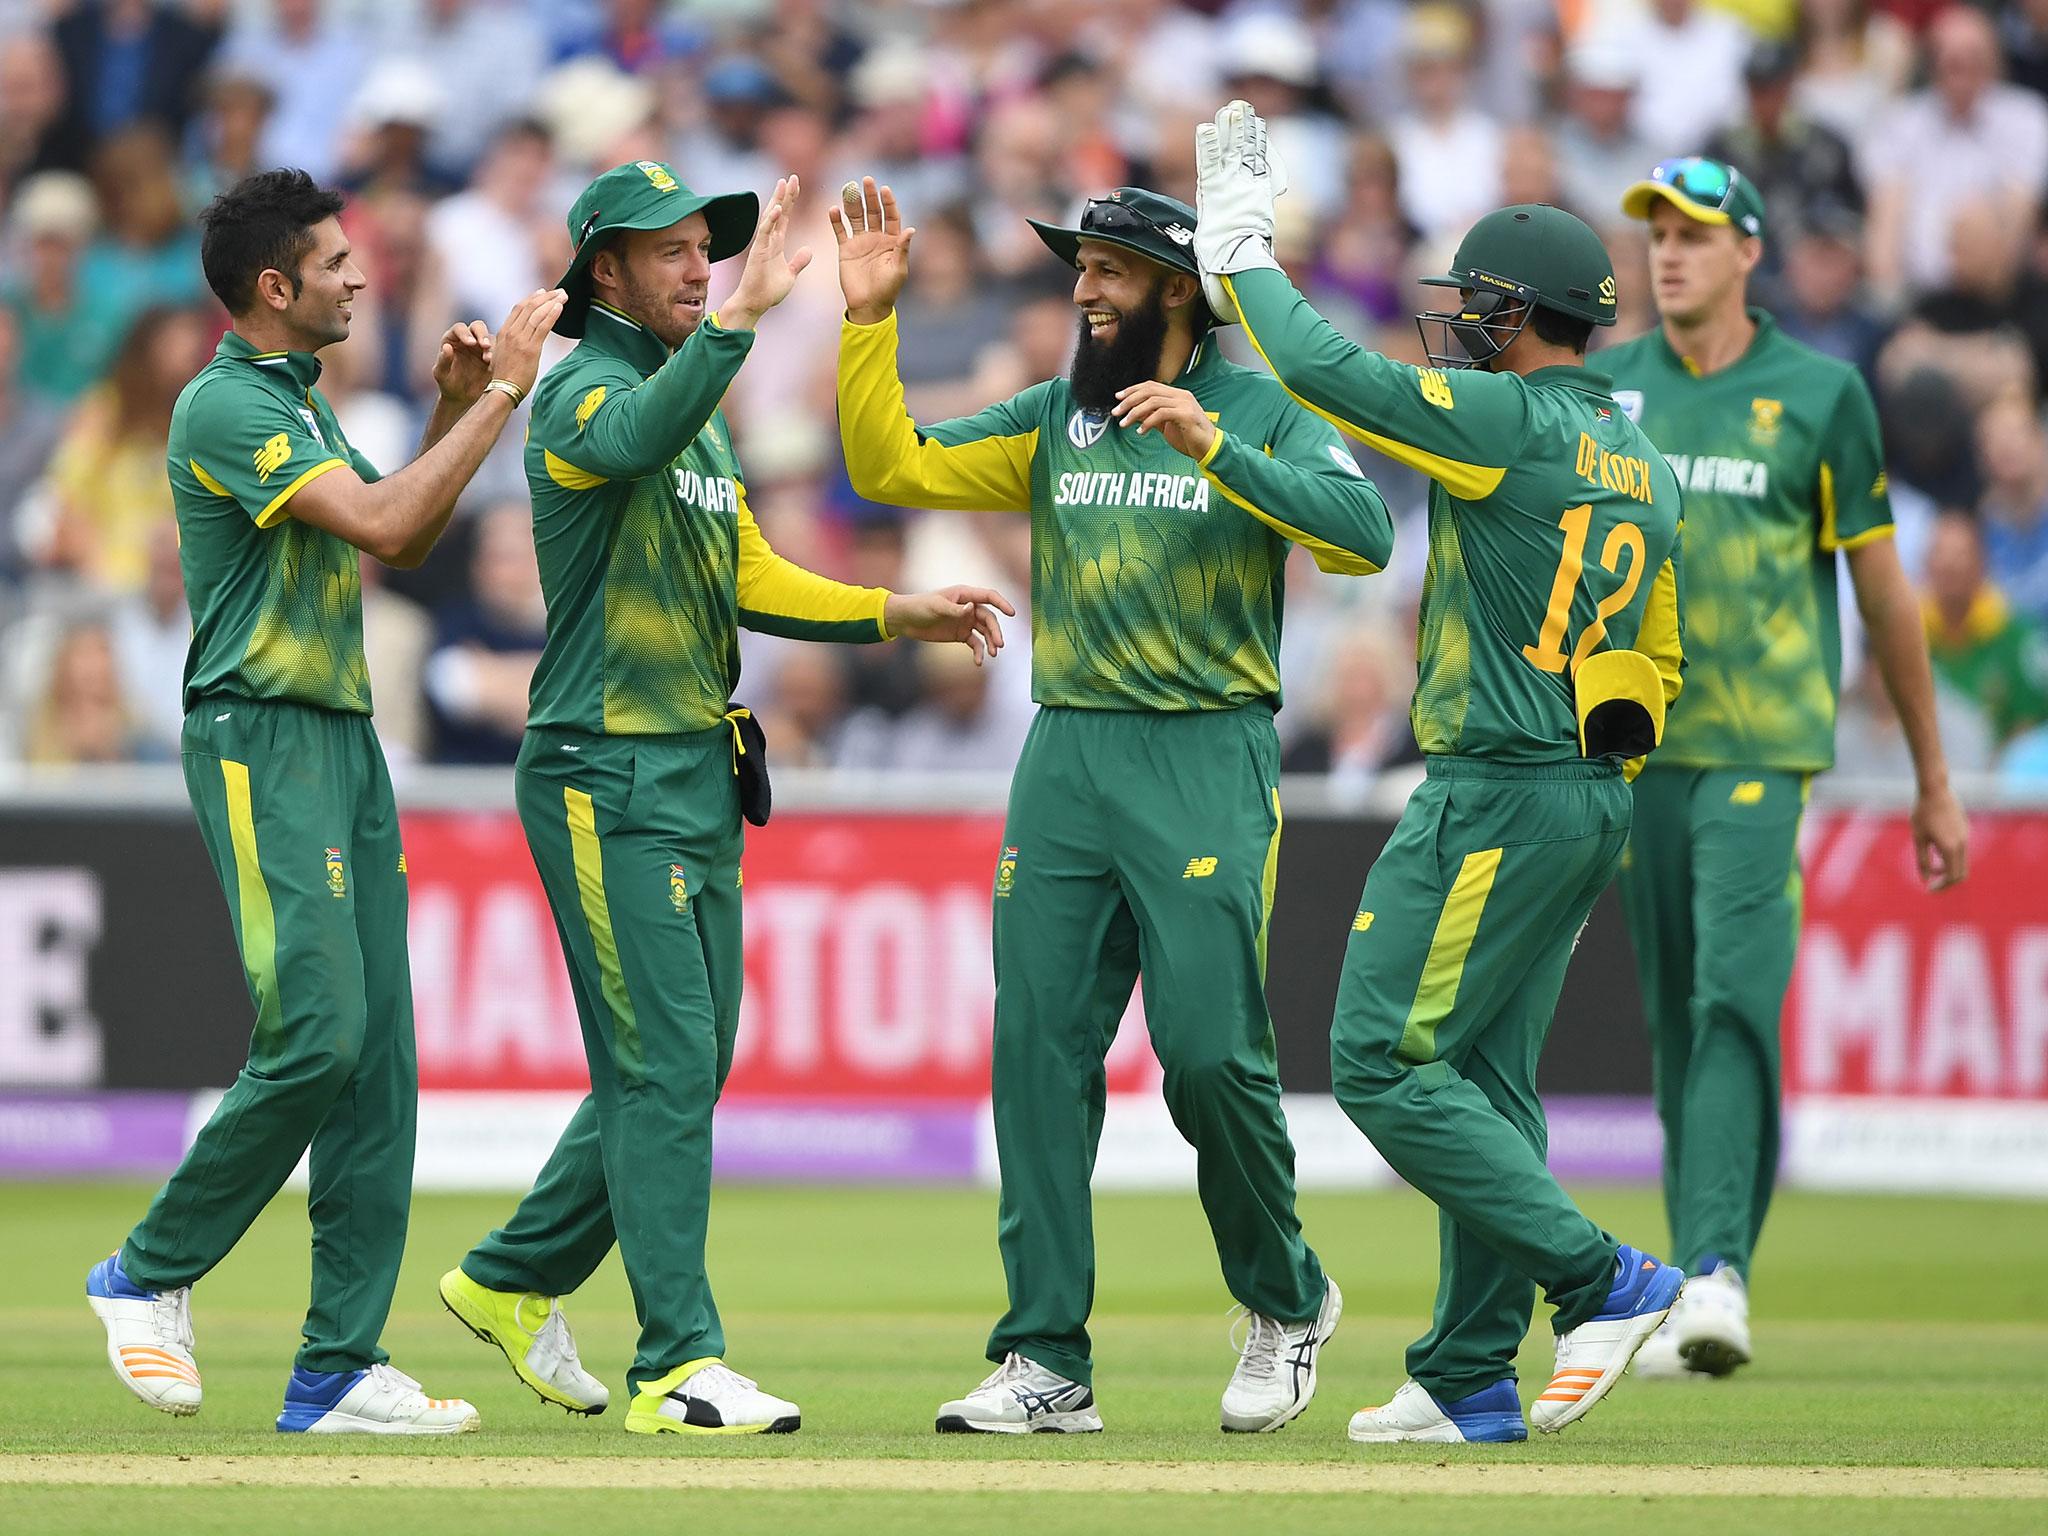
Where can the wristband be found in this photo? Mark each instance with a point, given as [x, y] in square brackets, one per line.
[507, 388]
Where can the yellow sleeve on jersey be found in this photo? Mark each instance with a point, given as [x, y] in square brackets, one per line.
[780, 597]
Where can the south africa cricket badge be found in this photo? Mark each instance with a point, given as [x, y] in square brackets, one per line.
[678, 888]
[337, 877]
[1006, 872]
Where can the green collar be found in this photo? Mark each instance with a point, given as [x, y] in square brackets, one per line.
[301, 368]
[615, 332]
[1766, 331]
[1586, 381]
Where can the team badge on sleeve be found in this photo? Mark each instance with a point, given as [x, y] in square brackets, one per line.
[337, 877]
[678, 888]
[1006, 872]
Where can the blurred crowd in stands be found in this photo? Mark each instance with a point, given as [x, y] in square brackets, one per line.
[1902, 146]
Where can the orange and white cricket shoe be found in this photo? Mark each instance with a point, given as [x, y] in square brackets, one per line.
[378, 1400]
[149, 1337]
[1592, 1356]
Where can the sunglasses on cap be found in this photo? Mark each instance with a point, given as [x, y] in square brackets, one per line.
[1106, 216]
[1706, 182]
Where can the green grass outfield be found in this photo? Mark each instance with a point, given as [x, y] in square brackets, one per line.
[1903, 1344]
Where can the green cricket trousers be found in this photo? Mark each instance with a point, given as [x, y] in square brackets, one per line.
[1712, 891]
[1138, 843]
[1451, 976]
[637, 840]
[295, 807]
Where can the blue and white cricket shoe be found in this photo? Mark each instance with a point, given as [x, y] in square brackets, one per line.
[1591, 1358]
[380, 1400]
[1275, 1379]
[1492, 1415]
[149, 1337]
[1022, 1397]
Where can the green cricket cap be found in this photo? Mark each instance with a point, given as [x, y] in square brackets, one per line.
[644, 194]
[1152, 224]
[1712, 191]
[1540, 254]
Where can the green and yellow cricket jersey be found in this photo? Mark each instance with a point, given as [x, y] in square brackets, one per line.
[277, 605]
[1553, 525]
[1780, 463]
[650, 559]
[1156, 583]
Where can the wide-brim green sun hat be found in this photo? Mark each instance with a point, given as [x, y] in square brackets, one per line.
[1149, 223]
[645, 194]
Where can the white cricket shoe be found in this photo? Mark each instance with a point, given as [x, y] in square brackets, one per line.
[1022, 1397]
[377, 1400]
[1492, 1414]
[1591, 1358]
[149, 1337]
[1709, 1324]
[1275, 1379]
[706, 1397]
[1659, 1359]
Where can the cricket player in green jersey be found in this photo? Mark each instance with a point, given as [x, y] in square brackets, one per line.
[1165, 486]
[1776, 451]
[1548, 654]
[295, 806]
[628, 781]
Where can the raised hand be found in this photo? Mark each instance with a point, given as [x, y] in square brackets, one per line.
[515, 353]
[966, 615]
[874, 250]
[770, 272]
[464, 366]
[1175, 414]
[1237, 176]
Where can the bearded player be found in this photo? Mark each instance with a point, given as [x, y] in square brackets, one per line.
[1165, 486]
[1777, 451]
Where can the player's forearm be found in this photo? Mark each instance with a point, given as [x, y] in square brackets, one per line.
[1339, 518]
[440, 423]
[409, 511]
[1320, 367]
[779, 598]
[638, 431]
[888, 461]
[1898, 643]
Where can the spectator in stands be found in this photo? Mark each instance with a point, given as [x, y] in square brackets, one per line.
[393, 113]
[1969, 138]
[2023, 29]
[883, 678]
[887, 132]
[147, 253]
[129, 62]
[1600, 154]
[486, 646]
[806, 709]
[1996, 658]
[1797, 164]
[487, 56]
[312, 62]
[397, 637]
[67, 340]
[1974, 328]
[953, 317]
[31, 102]
[228, 139]
[1448, 149]
[2012, 454]
[724, 149]
[1360, 715]
[495, 243]
[635, 35]
[151, 633]
[1361, 268]
[106, 480]
[29, 429]
[1870, 744]
[1268, 58]
[961, 721]
[1819, 296]
[1689, 57]
[82, 716]
[1851, 64]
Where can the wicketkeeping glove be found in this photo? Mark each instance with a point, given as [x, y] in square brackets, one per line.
[1237, 177]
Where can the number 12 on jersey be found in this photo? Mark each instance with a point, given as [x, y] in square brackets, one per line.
[1548, 653]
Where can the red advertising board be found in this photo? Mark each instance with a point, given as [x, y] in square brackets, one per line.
[1903, 995]
[867, 961]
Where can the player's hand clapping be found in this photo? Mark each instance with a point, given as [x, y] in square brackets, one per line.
[770, 272]
[874, 250]
[463, 367]
[515, 352]
[1174, 414]
[966, 615]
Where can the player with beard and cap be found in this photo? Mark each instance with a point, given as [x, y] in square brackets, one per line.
[1165, 486]
[636, 770]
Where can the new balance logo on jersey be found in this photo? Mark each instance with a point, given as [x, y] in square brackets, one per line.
[1748, 792]
[1200, 868]
[1090, 488]
[1361, 923]
[707, 493]
[1727, 477]
[271, 457]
